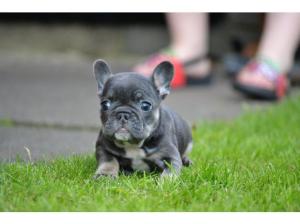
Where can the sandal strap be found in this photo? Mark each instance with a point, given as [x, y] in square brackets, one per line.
[196, 60]
[266, 67]
[170, 52]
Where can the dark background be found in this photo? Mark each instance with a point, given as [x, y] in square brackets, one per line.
[96, 18]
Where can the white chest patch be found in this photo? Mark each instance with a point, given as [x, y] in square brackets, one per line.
[137, 155]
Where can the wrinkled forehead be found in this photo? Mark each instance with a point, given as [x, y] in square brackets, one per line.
[129, 86]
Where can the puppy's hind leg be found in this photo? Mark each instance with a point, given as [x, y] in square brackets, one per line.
[185, 159]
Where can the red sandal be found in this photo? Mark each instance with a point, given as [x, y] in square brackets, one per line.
[270, 71]
[181, 79]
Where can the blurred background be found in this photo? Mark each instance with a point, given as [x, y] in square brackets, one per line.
[48, 101]
[116, 35]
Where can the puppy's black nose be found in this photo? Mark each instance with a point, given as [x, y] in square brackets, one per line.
[123, 115]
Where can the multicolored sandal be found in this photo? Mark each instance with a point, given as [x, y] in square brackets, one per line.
[270, 71]
[181, 79]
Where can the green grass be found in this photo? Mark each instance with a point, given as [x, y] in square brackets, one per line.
[249, 164]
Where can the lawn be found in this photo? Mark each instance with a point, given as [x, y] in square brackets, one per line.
[249, 164]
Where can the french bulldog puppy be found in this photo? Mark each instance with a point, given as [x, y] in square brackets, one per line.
[138, 133]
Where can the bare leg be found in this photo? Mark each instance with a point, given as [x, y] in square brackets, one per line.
[278, 43]
[189, 34]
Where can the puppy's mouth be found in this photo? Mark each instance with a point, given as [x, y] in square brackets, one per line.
[122, 134]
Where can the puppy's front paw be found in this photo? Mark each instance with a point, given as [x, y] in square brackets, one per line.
[167, 174]
[99, 175]
[110, 169]
[167, 177]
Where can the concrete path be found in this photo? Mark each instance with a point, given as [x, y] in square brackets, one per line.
[48, 104]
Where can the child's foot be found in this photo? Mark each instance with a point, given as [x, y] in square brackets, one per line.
[261, 79]
[191, 71]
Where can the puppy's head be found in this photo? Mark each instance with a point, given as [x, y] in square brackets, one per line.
[130, 102]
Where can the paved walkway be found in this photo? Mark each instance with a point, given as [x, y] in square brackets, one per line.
[48, 104]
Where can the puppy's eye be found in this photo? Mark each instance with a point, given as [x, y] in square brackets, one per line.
[105, 105]
[146, 106]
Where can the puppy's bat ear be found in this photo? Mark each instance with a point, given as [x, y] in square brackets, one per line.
[162, 77]
[102, 73]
